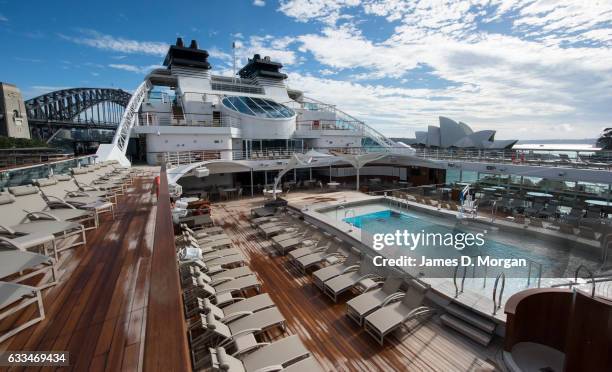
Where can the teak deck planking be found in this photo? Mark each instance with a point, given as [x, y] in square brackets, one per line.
[335, 340]
[98, 312]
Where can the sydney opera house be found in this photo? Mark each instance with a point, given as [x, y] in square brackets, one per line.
[451, 133]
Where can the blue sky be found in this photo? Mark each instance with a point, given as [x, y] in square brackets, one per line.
[527, 68]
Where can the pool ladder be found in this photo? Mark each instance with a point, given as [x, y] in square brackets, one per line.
[590, 273]
[497, 300]
[457, 290]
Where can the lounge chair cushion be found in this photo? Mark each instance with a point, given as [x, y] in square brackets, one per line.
[277, 353]
[6, 198]
[79, 170]
[65, 214]
[62, 177]
[23, 190]
[42, 182]
[46, 227]
[255, 303]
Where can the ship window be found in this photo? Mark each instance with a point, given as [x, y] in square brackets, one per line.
[259, 107]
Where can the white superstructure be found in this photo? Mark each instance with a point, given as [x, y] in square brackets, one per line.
[189, 119]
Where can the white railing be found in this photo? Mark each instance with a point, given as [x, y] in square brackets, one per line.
[341, 116]
[130, 116]
[154, 118]
[176, 158]
[549, 158]
[324, 125]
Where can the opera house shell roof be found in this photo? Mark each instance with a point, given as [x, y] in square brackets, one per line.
[457, 134]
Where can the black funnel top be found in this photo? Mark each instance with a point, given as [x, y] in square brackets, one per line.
[179, 55]
[262, 67]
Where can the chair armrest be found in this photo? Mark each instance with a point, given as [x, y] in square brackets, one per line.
[11, 243]
[243, 332]
[60, 201]
[42, 215]
[392, 298]
[350, 269]
[7, 229]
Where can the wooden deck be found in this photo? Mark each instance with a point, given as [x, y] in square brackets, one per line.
[336, 341]
[98, 312]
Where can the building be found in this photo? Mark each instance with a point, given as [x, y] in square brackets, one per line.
[13, 119]
[451, 133]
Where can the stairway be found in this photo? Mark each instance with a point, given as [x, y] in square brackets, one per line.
[177, 112]
[468, 323]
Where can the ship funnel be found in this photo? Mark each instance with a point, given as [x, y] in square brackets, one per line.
[193, 45]
[179, 42]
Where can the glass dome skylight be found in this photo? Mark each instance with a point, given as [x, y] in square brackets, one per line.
[258, 107]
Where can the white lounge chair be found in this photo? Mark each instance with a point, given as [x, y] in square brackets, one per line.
[335, 286]
[350, 264]
[394, 315]
[21, 265]
[366, 303]
[196, 272]
[272, 357]
[15, 297]
[15, 220]
[209, 331]
[222, 292]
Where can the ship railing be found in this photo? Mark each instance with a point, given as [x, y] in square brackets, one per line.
[589, 159]
[275, 153]
[24, 175]
[314, 105]
[158, 118]
[325, 125]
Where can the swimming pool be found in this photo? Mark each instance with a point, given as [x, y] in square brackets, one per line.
[389, 221]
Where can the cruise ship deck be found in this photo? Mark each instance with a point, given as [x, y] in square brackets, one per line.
[118, 302]
[108, 308]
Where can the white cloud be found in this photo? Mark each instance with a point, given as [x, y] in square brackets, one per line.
[215, 52]
[275, 47]
[327, 11]
[117, 44]
[500, 79]
[3, 18]
[133, 68]
[259, 3]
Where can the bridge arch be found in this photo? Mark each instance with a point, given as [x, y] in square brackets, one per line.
[68, 104]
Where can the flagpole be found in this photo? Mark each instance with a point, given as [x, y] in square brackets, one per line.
[234, 61]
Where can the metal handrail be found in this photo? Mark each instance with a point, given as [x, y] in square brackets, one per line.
[531, 264]
[457, 291]
[606, 244]
[590, 274]
[494, 211]
[497, 302]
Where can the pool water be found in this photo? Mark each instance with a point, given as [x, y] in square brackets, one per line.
[389, 221]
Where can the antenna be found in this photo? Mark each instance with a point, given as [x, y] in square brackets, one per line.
[234, 59]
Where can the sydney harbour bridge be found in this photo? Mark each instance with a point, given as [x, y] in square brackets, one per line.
[77, 114]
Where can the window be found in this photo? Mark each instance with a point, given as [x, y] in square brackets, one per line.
[258, 107]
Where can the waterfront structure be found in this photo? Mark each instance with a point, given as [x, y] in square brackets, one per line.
[13, 119]
[456, 134]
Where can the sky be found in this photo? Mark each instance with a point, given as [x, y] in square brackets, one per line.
[530, 69]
